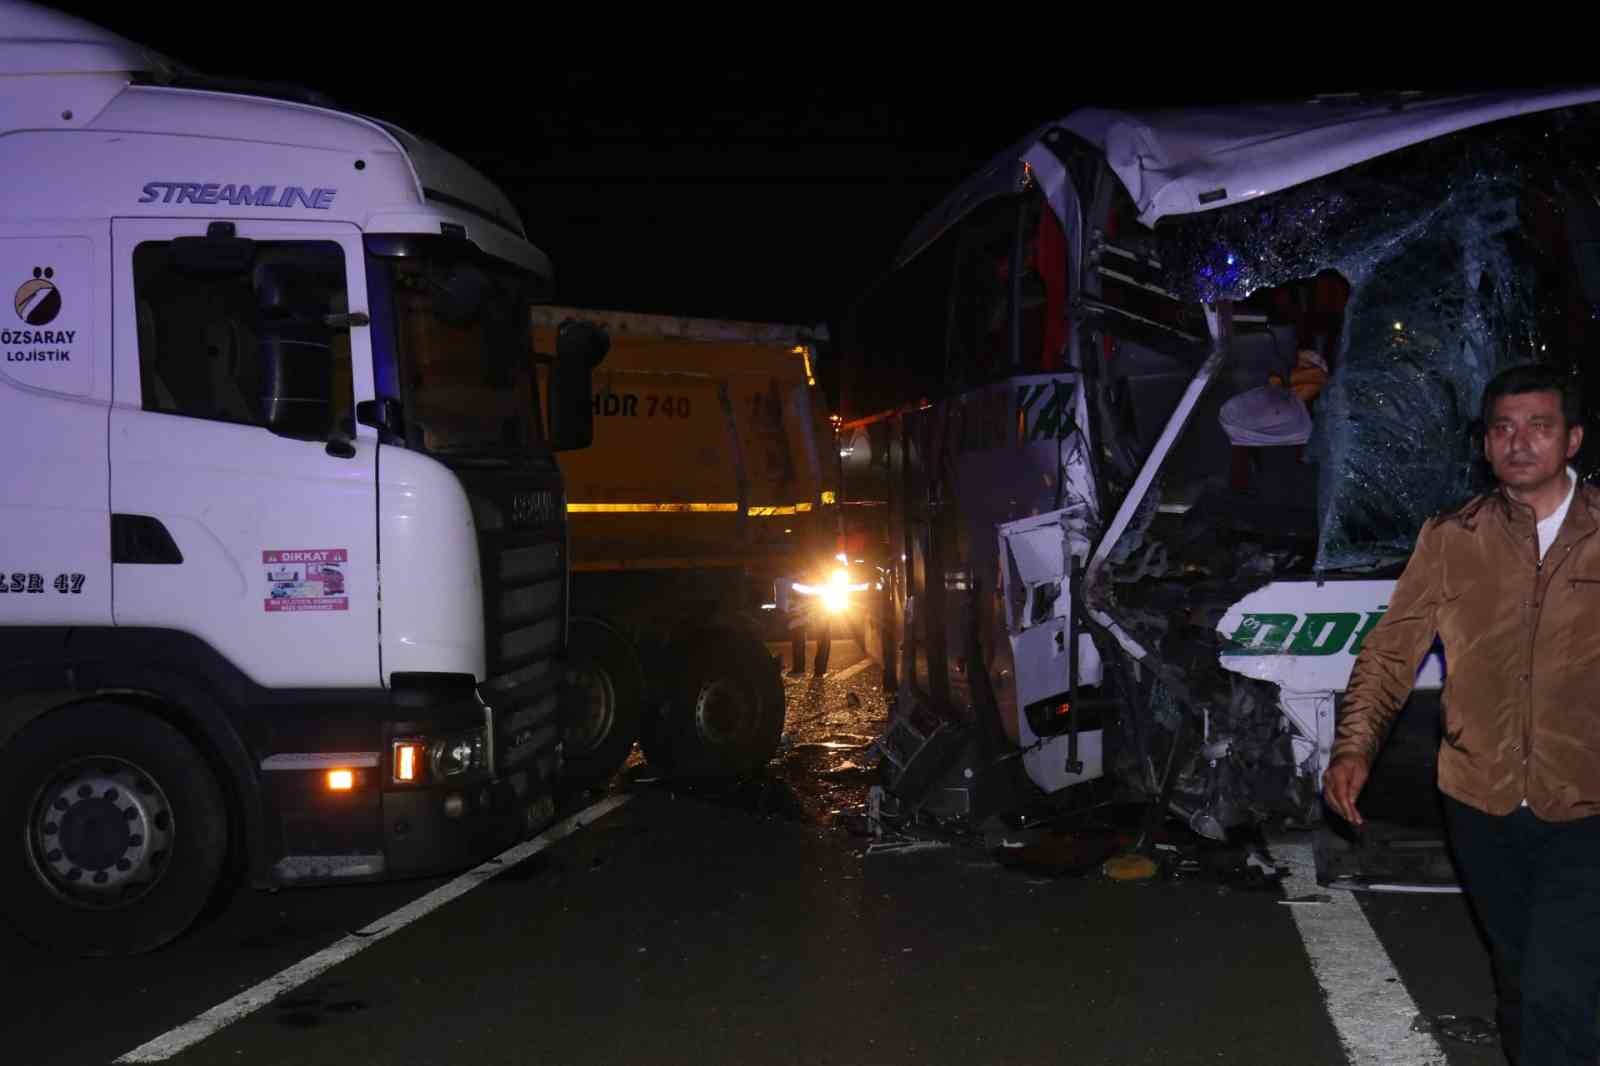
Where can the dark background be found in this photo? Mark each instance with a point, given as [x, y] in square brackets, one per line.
[776, 194]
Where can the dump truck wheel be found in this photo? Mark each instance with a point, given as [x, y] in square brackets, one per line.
[727, 712]
[605, 694]
[113, 832]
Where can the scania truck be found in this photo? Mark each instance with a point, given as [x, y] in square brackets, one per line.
[283, 534]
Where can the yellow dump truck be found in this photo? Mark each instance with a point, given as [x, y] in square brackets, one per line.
[709, 488]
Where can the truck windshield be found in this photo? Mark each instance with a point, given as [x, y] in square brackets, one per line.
[459, 356]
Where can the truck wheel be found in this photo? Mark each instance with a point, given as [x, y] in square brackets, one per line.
[605, 689]
[728, 707]
[113, 832]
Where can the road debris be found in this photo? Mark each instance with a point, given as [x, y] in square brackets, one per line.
[1461, 1028]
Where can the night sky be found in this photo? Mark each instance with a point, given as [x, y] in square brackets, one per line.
[682, 188]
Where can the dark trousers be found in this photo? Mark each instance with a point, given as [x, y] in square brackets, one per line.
[1535, 887]
[797, 646]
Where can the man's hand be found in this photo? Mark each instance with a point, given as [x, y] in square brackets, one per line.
[1342, 783]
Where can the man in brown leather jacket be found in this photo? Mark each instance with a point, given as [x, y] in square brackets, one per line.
[1510, 583]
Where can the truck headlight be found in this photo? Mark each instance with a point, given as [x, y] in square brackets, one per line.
[457, 755]
[834, 593]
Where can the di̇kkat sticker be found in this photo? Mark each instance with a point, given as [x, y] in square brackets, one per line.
[306, 580]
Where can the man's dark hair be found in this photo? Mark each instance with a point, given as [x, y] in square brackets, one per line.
[1535, 377]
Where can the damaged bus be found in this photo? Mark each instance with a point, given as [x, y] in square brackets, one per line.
[1156, 405]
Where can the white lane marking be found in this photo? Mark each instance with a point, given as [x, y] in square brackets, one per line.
[1417, 890]
[319, 760]
[850, 671]
[1367, 1000]
[253, 999]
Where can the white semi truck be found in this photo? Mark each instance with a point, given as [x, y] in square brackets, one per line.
[283, 534]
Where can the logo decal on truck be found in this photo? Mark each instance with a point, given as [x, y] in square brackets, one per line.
[48, 345]
[533, 508]
[38, 301]
[198, 192]
[306, 580]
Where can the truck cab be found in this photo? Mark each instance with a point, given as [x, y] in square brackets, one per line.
[283, 515]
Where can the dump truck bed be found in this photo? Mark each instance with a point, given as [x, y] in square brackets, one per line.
[711, 444]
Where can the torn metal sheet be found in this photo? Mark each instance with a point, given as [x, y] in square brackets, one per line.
[1303, 636]
[1036, 583]
[1205, 159]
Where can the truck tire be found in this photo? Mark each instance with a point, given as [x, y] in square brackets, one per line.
[605, 693]
[113, 831]
[727, 710]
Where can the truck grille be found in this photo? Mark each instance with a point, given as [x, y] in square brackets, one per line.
[522, 550]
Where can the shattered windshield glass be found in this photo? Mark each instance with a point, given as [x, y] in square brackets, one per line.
[1464, 255]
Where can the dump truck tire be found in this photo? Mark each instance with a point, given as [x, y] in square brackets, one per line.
[113, 831]
[727, 711]
[605, 697]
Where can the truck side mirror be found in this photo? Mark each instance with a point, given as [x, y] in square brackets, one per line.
[580, 346]
[296, 383]
[384, 415]
[296, 347]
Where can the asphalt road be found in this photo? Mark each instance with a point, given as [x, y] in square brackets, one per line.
[752, 924]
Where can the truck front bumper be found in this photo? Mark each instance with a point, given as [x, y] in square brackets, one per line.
[385, 827]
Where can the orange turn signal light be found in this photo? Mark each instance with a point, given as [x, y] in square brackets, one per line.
[341, 780]
[407, 760]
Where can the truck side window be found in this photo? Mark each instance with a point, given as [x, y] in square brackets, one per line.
[200, 325]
